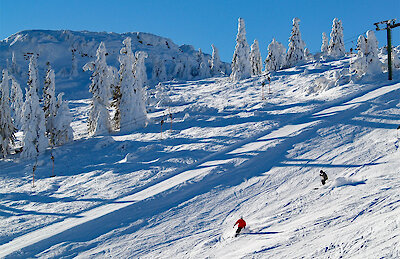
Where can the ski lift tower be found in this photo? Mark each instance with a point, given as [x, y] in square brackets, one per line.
[390, 24]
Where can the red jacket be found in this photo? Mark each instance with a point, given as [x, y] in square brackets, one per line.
[241, 223]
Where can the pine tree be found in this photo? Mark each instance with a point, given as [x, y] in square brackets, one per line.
[360, 65]
[367, 61]
[203, 68]
[132, 108]
[99, 118]
[216, 63]
[139, 103]
[161, 95]
[62, 129]
[179, 70]
[241, 67]
[336, 44]
[159, 70]
[7, 129]
[324, 46]
[183, 69]
[124, 88]
[295, 55]
[255, 59]
[395, 60]
[49, 101]
[34, 140]
[308, 55]
[15, 70]
[276, 56]
[371, 54]
[17, 103]
[74, 62]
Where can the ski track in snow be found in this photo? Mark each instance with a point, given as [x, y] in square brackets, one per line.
[245, 151]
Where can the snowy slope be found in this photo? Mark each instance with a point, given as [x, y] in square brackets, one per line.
[226, 154]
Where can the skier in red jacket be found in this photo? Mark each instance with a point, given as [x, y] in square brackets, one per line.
[241, 224]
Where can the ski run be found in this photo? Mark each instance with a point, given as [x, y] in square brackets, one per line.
[215, 150]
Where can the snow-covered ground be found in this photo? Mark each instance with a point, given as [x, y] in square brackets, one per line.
[227, 154]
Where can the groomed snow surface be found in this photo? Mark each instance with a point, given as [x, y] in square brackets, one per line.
[226, 154]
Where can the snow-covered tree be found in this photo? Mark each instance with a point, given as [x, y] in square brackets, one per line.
[324, 46]
[74, 62]
[276, 56]
[359, 65]
[336, 44]
[7, 129]
[295, 54]
[49, 101]
[216, 63]
[367, 60]
[395, 60]
[34, 140]
[255, 59]
[14, 69]
[183, 69]
[62, 130]
[139, 103]
[124, 89]
[372, 50]
[99, 118]
[159, 70]
[202, 69]
[241, 67]
[17, 102]
[161, 95]
[132, 72]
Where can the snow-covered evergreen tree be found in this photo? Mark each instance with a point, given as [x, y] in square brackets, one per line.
[324, 46]
[336, 44]
[216, 63]
[202, 68]
[372, 50]
[367, 60]
[14, 69]
[241, 67]
[74, 63]
[132, 72]
[34, 140]
[124, 95]
[276, 56]
[99, 118]
[295, 54]
[126, 59]
[308, 55]
[49, 101]
[179, 70]
[62, 130]
[183, 69]
[139, 103]
[359, 65]
[161, 95]
[159, 70]
[17, 102]
[7, 129]
[395, 60]
[255, 59]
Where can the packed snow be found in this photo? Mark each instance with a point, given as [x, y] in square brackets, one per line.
[215, 150]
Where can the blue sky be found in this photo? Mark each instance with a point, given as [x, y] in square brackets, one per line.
[202, 23]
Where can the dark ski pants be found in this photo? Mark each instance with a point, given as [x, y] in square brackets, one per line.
[238, 231]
